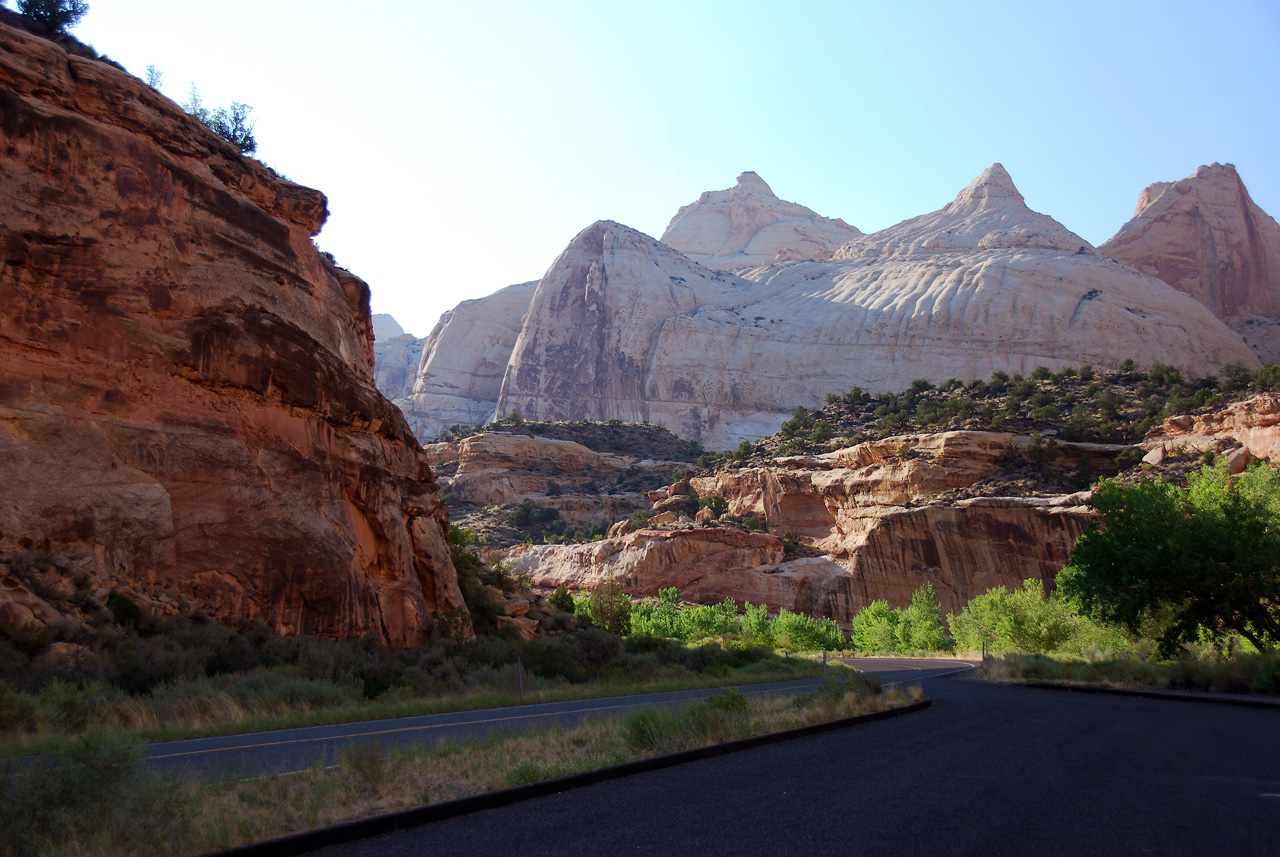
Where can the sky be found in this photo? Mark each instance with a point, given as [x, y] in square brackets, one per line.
[462, 144]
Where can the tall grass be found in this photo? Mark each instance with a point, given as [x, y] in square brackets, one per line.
[96, 800]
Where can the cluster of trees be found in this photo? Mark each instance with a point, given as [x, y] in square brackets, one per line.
[1184, 564]
[669, 618]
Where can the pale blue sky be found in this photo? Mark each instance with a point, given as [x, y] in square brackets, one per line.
[463, 144]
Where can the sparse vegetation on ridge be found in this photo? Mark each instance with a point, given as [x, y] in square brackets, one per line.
[1072, 404]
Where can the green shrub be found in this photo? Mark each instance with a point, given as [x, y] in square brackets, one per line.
[561, 599]
[717, 504]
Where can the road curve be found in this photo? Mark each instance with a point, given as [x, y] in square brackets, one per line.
[987, 770]
[287, 750]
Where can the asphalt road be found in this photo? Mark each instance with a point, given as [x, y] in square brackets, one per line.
[987, 770]
[287, 750]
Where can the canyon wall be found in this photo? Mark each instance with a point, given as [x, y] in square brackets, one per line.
[188, 408]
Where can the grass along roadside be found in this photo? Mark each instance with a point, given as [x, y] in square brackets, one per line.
[99, 801]
[1243, 673]
[211, 712]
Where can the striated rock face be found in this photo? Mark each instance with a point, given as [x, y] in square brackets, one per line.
[623, 327]
[1207, 238]
[873, 515]
[463, 361]
[187, 407]
[747, 226]
[1253, 424]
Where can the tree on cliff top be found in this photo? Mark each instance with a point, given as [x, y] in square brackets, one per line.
[1207, 557]
[57, 16]
[232, 124]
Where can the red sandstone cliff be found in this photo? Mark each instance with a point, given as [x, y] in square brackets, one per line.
[187, 405]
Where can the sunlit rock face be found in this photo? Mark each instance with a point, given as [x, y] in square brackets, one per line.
[1207, 238]
[1252, 425]
[747, 226]
[872, 519]
[188, 409]
[624, 327]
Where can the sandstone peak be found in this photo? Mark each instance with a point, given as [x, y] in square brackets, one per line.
[989, 214]
[1205, 236]
[994, 183]
[750, 182]
[747, 226]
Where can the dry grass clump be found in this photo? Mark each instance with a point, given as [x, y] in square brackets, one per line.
[123, 810]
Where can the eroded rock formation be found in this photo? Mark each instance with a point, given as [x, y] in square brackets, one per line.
[624, 327]
[1207, 238]
[873, 519]
[1253, 425]
[187, 408]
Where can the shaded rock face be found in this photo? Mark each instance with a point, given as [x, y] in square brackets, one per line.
[187, 406]
[395, 364]
[872, 516]
[1207, 238]
[623, 327]
[747, 226]
[459, 376]
[499, 468]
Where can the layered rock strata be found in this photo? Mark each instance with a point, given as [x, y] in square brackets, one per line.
[1205, 236]
[188, 409]
[871, 518]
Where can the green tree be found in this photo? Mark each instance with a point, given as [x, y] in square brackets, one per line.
[610, 608]
[920, 628]
[57, 16]
[1205, 559]
[1020, 621]
[561, 599]
[875, 628]
[231, 124]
